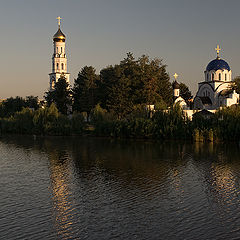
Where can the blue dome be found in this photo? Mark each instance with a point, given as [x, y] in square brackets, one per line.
[217, 64]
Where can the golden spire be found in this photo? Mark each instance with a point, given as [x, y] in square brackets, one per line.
[218, 50]
[175, 76]
[59, 21]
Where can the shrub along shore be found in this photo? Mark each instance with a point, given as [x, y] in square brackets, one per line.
[163, 125]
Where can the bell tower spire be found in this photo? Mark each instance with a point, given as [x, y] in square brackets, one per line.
[59, 58]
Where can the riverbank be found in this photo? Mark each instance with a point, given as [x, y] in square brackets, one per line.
[170, 125]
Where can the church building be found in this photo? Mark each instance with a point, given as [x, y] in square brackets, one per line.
[59, 58]
[214, 92]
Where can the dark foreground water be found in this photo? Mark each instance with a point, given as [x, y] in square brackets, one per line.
[79, 188]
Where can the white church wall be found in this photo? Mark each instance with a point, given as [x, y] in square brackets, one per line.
[232, 99]
[176, 92]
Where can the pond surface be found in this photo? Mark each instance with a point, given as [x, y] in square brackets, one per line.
[86, 188]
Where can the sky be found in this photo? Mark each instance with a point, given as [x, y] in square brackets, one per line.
[183, 33]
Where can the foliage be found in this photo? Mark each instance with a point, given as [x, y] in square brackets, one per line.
[85, 90]
[236, 84]
[134, 82]
[185, 93]
[61, 96]
[12, 105]
[47, 121]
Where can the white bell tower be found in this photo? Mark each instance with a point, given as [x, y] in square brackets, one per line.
[59, 59]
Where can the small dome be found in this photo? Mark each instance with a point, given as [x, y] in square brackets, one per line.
[217, 64]
[175, 85]
[59, 36]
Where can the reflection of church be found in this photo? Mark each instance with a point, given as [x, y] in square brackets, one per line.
[215, 91]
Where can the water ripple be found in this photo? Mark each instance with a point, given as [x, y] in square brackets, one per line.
[93, 189]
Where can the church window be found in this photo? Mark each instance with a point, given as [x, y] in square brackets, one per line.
[212, 76]
[61, 49]
[62, 66]
[219, 76]
[57, 66]
[225, 77]
[57, 49]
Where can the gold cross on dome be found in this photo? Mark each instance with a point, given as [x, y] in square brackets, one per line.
[218, 50]
[175, 76]
[59, 21]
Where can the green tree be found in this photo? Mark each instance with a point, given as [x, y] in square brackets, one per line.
[61, 96]
[134, 82]
[32, 102]
[185, 93]
[12, 105]
[120, 101]
[85, 90]
[236, 84]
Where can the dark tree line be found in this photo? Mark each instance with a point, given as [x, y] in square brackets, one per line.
[12, 105]
[119, 89]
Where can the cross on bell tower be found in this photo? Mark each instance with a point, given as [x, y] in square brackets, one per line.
[59, 21]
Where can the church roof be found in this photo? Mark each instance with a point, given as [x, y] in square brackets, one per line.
[175, 85]
[59, 36]
[217, 64]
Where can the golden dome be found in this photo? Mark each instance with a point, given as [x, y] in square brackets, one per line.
[59, 36]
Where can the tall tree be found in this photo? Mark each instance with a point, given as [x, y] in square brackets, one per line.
[61, 96]
[148, 79]
[119, 101]
[236, 84]
[85, 90]
[185, 93]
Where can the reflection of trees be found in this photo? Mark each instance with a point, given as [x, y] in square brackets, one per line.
[219, 163]
[111, 180]
[141, 164]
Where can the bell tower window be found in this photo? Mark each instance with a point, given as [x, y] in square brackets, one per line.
[57, 66]
[219, 76]
[62, 66]
[212, 76]
[225, 77]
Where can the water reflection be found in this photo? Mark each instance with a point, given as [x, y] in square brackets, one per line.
[60, 175]
[104, 189]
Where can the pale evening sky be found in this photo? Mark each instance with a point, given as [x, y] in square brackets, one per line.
[183, 33]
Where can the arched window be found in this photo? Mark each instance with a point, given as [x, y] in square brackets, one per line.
[61, 49]
[62, 66]
[219, 76]
[57, 49]
[57, 66]
[225, 77]
[212, 76]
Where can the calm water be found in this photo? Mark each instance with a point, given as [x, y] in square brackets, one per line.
[79, 188]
